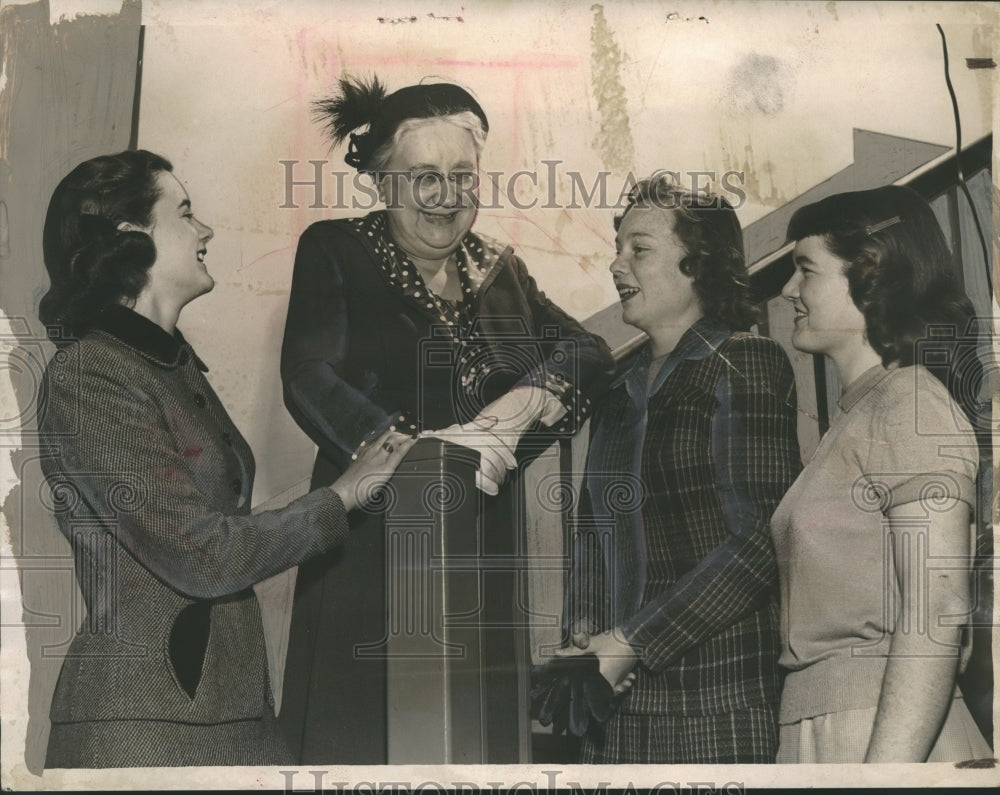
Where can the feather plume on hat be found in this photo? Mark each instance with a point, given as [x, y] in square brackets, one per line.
[357, 105]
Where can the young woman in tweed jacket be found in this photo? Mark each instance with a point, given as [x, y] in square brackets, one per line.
[689, 456]
[151, 483]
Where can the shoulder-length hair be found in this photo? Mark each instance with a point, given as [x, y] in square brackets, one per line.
[91, 263]
[707, 227]
[901, 277]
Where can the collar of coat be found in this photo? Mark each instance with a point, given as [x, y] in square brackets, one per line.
[700, 341]
[146, 338]
[478, 258]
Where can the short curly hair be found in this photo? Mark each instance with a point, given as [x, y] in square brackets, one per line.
[707, 227]
[91, 263]
[901, 277]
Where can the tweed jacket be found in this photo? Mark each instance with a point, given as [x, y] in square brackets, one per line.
[673, 545]
[151, 483]
[358, 352]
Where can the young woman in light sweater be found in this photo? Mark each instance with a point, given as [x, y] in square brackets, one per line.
[873, 539]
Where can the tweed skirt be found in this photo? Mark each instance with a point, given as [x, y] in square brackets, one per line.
[746, 736]
[151, 743]
[843, 737]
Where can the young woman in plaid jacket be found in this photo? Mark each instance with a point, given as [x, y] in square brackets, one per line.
[675, 580]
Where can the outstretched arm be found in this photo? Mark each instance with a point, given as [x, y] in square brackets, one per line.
[118, 453]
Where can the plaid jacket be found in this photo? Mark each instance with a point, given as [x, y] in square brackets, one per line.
[151, 483]
[676, 550]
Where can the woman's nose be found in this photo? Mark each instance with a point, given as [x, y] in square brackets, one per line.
[617, 265]
[791, 289]
[448, 192]
[205, 232]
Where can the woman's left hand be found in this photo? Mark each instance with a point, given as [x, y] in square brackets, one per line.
[615, 656]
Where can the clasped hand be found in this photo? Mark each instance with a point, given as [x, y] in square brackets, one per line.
[615, 656]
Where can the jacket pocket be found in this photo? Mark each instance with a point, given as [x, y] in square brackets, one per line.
[188, 644]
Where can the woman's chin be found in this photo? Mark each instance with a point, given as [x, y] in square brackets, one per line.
[804, 342]
[631, 317]
[434, 248]
[206, 286]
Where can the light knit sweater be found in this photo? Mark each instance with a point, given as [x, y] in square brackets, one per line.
[898, 438]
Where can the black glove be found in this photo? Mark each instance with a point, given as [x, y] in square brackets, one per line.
[569, 693]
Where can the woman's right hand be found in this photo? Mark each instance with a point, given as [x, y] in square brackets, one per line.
[616, 657]
[496, 456]
[372, 468]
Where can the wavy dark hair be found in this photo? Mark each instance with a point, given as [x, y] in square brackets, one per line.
[710, 232]
[901, 277]
[91, 263]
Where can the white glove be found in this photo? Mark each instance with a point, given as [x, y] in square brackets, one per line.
[510, 415]
[495, 457]
[498, 428]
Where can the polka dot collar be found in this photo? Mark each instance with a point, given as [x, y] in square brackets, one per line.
[474, 259]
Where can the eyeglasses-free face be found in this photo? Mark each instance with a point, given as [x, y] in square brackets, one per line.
[827, 320]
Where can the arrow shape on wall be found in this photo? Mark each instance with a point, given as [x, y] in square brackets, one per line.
[878, 160]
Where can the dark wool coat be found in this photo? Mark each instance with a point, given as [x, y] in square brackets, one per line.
[357, 351]
[151, 483]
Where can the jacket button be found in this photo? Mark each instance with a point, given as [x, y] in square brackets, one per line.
[227, 437]
[237, 485]
[200, 401]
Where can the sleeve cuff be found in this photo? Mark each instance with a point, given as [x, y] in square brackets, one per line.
[397, 421]
[932, 486]
[644, 647]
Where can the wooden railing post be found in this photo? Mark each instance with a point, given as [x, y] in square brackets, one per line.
[455, 647]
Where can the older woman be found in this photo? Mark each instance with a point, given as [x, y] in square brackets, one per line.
[151, 484]
[407, 317]
[873, 539]
[689, 456]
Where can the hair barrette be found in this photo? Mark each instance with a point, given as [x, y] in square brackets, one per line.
[871, 230]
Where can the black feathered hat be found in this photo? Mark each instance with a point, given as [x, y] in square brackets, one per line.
[366, 105]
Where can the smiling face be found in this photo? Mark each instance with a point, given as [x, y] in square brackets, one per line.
[179, 274]
[827, 320]
[429, 190]
[656, 297]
